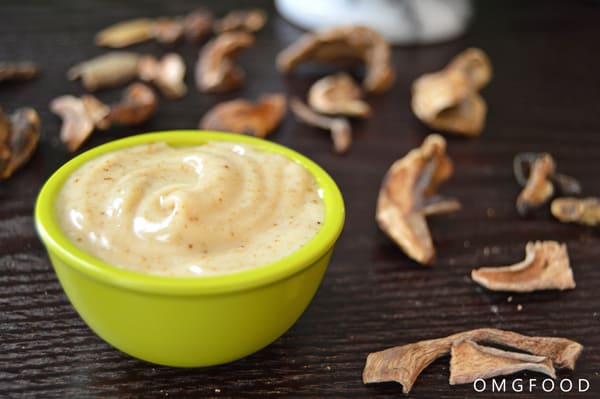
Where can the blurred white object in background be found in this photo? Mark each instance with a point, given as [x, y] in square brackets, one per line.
[400, 21]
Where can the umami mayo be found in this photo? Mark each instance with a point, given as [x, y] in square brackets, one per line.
[190, 211]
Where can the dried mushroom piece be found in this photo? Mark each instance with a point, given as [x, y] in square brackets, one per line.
[536, 172]
[198, 24]
[584, 211]
[108, 70]
[167, 30]
[125, 33]
[82, 115]
[341, 132]
[79, 120]
[251, 20]
[119, 67]
[242, 116]
[19, 136]
[167, 74]
[215, 69]
[449, 100]
[470, 361]
[18, 71]
[407, 196]
[343, 46]
[403, 364]
[539, 188]
[546, 266]
[138, 104]
[338, 95]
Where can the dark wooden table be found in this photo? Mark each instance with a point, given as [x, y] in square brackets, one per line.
[545, 96]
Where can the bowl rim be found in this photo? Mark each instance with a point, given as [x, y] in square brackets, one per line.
[58, 244]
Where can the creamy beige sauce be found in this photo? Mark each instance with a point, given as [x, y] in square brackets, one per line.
[190, 211]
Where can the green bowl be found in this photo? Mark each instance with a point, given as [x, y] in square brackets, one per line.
[189, 321]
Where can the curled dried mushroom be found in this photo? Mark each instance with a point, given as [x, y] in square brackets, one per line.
[341, 132]
[338, 95]
[108, 70]
[251, 20]
[119, 67]
[403, 364]
[19, 136]
[539, 189]
[470, 361]
[449, 100]
[82, 115]
[167, 30]
[198, 24]
[167, 74]
[577, 210]
[242, 116]
[215, 69]
[407, 196]
[546, 266]
[78, 119]
[536, 172]
[138, 104]
[342, 46]
[18, 71]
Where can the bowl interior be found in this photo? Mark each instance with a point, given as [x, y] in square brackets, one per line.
[56, 241]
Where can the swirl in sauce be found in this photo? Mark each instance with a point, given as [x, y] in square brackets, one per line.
[213, 209]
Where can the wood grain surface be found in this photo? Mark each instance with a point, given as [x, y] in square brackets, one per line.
[545, 96]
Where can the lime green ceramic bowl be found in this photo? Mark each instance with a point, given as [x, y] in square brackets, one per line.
[189, 321]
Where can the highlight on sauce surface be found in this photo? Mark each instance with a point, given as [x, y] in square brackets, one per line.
[207, 210]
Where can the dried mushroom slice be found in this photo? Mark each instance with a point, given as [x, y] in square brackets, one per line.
[167, 74]
[339, 128]
[470, 361]
[242, 116]
[407, 196]
[18, 71]
[125, 33]
[539, 188]
[138, 104]
[584, 211]
[82, 115]
[215, 69]
[108, 70]
[342, 46]
[198, 24]
[475, 65]
[546, 266]
[167, 30]
[449, 100]
[338, 95]
[77, 124]
[403, 364]
[79, 120]
[251, 20]
[536, 172]
[19, 136]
